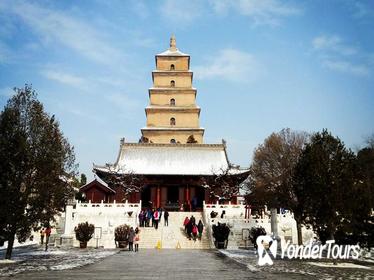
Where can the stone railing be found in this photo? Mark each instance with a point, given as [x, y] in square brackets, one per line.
[238, 222]
[106, 216]
[107, 207]
[231, 210]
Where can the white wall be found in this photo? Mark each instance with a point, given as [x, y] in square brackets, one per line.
[107, 216]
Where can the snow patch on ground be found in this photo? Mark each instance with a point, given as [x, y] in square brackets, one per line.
[233, 254]
[17, 244]
[338, 265]
[35, 258]
[43, 253]
[7, 261]
[320, 270]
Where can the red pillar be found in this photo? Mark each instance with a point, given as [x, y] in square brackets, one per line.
[158, 197]
[188, 198]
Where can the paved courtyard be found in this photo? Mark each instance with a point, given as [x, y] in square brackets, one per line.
[180, 264]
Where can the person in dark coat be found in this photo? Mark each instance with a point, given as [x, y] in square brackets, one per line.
[193, 220]
[200, 228]
[166, 218]
[131, 239]
[189, 229]
[141, 218]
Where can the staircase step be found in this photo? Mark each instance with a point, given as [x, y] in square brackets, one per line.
[173, 235]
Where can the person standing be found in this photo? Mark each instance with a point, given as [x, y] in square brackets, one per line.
[42, 233]
[152, 217]
[189, 228]
[131, 239]
[137, 239]
[166, 218]
[48, 231]
[193, 220]
[185, 223]
[156, 217]
[194, 232]
[200, 228]
[141, 218]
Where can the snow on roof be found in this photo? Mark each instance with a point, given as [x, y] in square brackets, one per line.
[170, 159]
[170, 52]
[176, 89]
[172, 128]
[97, 179]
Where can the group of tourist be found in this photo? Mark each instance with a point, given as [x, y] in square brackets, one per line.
[192, 229]
[152, 217]
[133, 239]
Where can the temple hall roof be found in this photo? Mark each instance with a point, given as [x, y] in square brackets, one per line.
[170, 159]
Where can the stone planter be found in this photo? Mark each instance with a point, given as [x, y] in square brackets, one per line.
[122, 244]
[221, 244]
[83, 245]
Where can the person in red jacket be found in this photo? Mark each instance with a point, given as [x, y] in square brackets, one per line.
[47, 235]
[185, 223]
[156, 217]
[194, 232]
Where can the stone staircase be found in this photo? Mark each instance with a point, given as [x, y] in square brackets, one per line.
[171, 235]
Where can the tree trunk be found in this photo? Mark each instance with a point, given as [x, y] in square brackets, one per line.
[299, 233]
[9, 249]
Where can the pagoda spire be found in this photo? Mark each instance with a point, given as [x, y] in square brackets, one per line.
[173, 43]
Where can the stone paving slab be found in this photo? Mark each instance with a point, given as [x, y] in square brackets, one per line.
[159, 264]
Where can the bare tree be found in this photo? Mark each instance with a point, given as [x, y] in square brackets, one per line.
[225, 184]
[128, 182]
[272, 170]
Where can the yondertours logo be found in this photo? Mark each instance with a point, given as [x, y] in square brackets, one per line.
[267, 248]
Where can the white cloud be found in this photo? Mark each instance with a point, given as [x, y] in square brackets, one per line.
[230, 64]
[347, 67]
[262, 12]
[180, 11]
[58, 27]
[65, 78]
[339, 56]
[333, 43]
[81, 113]
[122, 101]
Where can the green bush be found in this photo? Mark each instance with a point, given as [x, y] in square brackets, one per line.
[121, 233]
[84, 231]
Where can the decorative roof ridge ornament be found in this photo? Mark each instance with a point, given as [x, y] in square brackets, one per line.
[173, 44]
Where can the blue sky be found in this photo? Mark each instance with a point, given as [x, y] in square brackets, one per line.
[259, 66]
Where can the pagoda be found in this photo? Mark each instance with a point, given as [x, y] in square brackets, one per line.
[170, 167]
[172, 115]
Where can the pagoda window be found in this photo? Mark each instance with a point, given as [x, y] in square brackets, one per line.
[172, 83]
[172, 67]
[172, 102]
[172, 121]
[172, 141]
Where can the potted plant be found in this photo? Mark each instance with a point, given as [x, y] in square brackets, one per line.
[254, 233]
[121, 234]
[213, 214]
[83, 233]
[221, 235]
